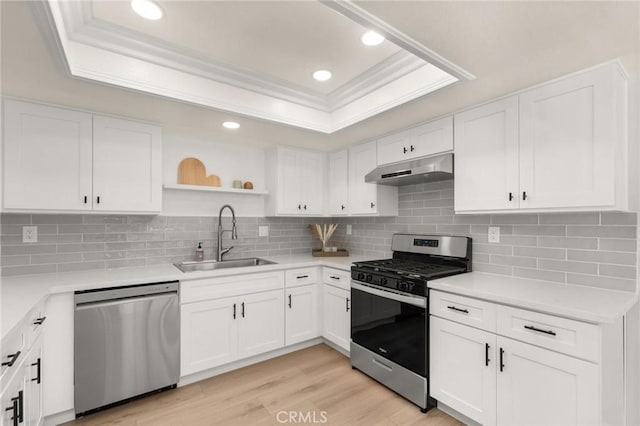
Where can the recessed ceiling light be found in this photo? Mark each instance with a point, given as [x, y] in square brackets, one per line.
[231, 125]
[322, 75]
[147, 9]
[372, 38]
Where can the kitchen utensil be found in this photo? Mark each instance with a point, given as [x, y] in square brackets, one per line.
[191, 171]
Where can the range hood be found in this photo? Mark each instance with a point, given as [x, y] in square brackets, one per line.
[418, 170]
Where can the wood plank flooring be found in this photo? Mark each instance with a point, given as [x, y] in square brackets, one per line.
[316, 383]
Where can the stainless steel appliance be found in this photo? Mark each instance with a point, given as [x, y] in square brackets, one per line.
[126, 344]
[390, 310]
[418, 170]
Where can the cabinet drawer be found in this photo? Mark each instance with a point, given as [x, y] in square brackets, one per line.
[13, 351]
[476, 313]
[34, 324]
[235, 285]
[337, 278]
[301, 276]
[571, 337]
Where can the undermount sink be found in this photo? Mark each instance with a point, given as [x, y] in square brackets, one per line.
[211, 265]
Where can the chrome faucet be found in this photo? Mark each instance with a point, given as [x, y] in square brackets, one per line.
[233, 230]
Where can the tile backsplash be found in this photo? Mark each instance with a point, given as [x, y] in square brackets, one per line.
[590, 248]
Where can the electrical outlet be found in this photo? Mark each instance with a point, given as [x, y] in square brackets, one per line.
[349, 231]
[494, 234]
[263, 231]
[29, 234]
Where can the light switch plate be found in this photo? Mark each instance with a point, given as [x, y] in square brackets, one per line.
[29, 234]
[263, 231]
[494, 234]
[349, 231]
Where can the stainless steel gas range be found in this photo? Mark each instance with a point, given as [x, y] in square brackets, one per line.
[390, 310]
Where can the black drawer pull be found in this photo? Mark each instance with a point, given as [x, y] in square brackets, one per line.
[85, 199]
[510, 196]
[289, 301]
[98, 199]
[501, 359]
[242, 309]
[14, 408]
[453, 308]
[38, 365]
[12, 359]
[412, 148]
[486, 354]
[39, 321]
[532, 328]
[347, 304]
[524, 195]
[234, 311]
[342, 206]
[333, 277]
[302, 276]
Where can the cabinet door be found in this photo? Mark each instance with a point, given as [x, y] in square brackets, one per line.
[486, 157]
[337, 323]
[312, 182]
[208, 334]
[47, 157]
[395, 147]
[33, 370]
[13, 400]
[127, 166]
[463, 369]
[261, 325]
[338, 182]
[540, 387]
[301, 320]
[431, 138]
[289, 182]
[362, 196]
[568, 142]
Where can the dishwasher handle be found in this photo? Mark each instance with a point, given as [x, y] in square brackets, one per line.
[115, 302]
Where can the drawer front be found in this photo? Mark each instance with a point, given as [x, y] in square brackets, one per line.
[35, 323]
[234, 285]
[465, 310]
[336, 277]
[558, 334]
[14, 351]
[301, 276]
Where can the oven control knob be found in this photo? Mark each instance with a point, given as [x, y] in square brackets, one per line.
[369, 278]
[402, 285]
[383, 281]
[360, 276]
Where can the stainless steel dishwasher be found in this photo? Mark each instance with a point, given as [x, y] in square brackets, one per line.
[126, 344]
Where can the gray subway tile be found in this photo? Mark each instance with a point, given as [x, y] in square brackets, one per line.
[439, 203]
[545, 253]
[514, 219]
[492, 268]
[27, 270]
[56, 219]
[410, 204]
[472, 219]
[81, 229]
[555, 230]
[492, 249]
[103, 255]
[484, 229]
[617, 258]
[615, 244]
[578, 218]
[100, 219]
[514, 261]
[17, 229]
[102, 237]
[427, 196]
[568, 242]
[125, 263]
[55, 258]
[619, 218]
[603, 231]
[80, 266]
[538, 274]
[427, 212]
[14, 260]
[435, 220]
[618, 271]
[70, 248]
[15, 219]
[454, 229]
[568, 266]
[602, 282]
[28, 249]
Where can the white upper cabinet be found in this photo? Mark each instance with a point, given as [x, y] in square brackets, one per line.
[126, 161]
[560, 146]
[47, 158]
[368, 198]
[486, 157]
[338, 183]
[427, 139]
[63, 160]
[296, 180]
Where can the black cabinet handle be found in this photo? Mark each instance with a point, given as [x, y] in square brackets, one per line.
[38, 365]
[412, 148]
[299, 277]
[501, 359]
[39, 321]
[486, 354]
[453, 308]
[299, 206]
[372, 205]
[347, 304]
[333, 277]
[12, 359]
[289, 301]
[98, 199]
[20, 407]
[14, 408]
[242, 309]
[234, 311]
[404, 149]
[524, 195]
[85, 199]
[342, 207]
[304, 207]
[510, 196]
[532, 328]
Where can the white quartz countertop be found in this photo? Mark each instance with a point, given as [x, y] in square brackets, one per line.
[22, 293]
[582, 303]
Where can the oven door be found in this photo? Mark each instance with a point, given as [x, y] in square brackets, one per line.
[391, 325]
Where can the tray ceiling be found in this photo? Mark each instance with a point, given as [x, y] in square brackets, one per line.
[253, 58]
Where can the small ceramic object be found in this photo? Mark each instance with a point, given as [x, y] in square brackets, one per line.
[237, 184]
[248, 185]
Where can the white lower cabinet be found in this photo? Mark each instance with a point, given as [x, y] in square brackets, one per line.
[301, 320]
[261, 323]
[337, 316]
[13, 401]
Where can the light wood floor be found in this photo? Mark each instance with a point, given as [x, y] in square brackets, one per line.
[316, 380]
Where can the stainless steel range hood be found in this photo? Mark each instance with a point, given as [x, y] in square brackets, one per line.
[419, 170]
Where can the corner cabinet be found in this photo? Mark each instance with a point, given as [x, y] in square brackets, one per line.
[296, 182]
[560, 146]
[368, 198]
[336, 302]
[64, 160]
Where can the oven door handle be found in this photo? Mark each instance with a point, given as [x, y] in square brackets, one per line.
[411, 300]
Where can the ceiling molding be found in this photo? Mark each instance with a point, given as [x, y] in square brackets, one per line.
[368, 20]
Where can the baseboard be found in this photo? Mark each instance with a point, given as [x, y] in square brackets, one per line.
[212, 372]
[456, 415]
[336, 347]
[59, 418]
